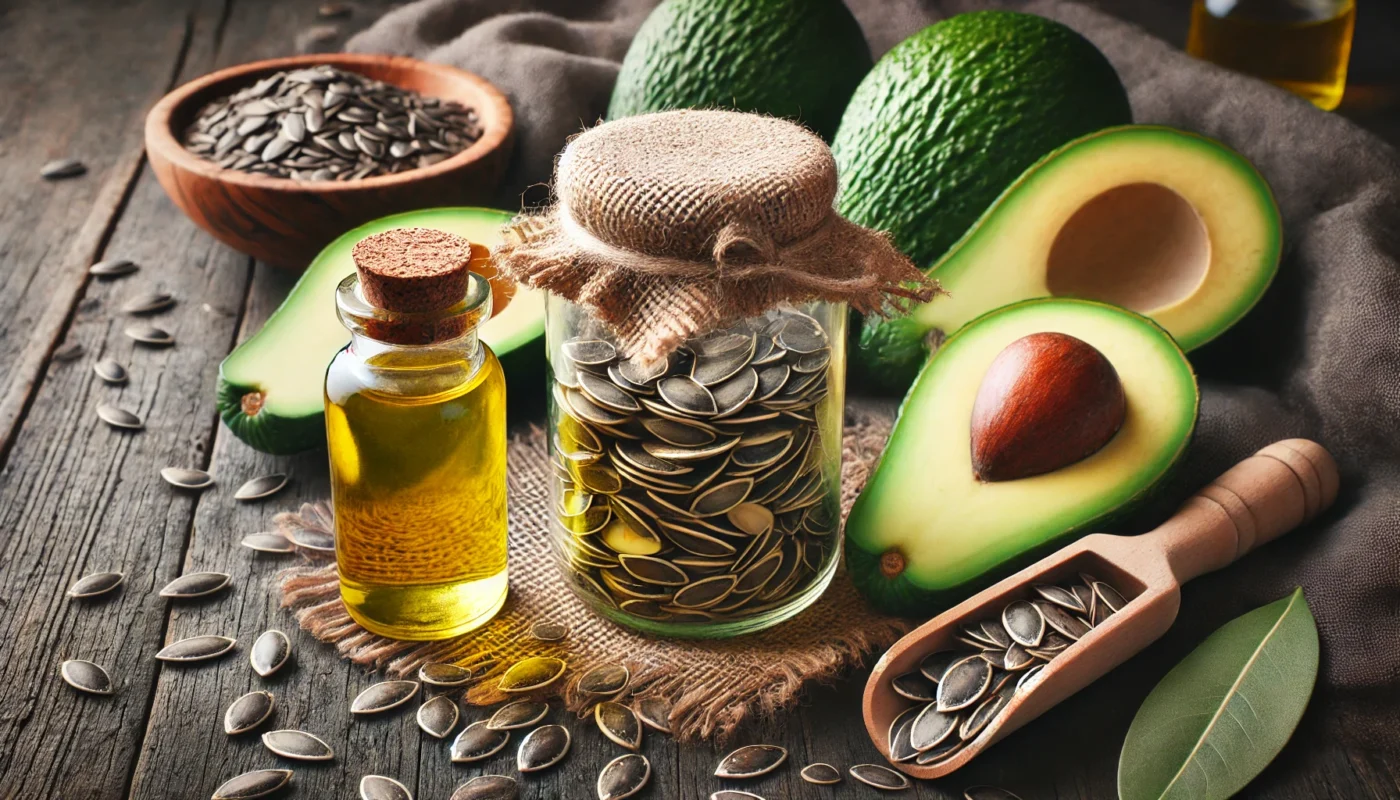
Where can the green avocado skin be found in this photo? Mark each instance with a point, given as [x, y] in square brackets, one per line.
[943, 124]
[797, 59]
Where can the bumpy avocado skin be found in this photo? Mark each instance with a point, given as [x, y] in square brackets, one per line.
[944, 123]
[798, 59]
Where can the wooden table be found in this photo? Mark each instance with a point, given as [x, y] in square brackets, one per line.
[76, 496]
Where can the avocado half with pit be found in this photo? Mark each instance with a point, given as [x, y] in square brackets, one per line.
[1170, 224]
[271, 388]
[928, 529]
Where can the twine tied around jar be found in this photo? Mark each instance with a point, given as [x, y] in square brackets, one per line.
[669, 225]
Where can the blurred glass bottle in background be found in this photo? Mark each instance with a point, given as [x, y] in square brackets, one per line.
[1300, 45]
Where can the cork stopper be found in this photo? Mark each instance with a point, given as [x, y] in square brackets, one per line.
[411, 273]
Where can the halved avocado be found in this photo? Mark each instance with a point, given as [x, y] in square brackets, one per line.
[1167, 223]
[925, 532]
[271, 386]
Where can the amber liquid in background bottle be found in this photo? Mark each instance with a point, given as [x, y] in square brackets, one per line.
[1300, 45]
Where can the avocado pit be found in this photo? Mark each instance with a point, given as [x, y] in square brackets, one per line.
[1047, 401]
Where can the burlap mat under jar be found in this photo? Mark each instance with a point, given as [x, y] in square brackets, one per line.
[714, 684]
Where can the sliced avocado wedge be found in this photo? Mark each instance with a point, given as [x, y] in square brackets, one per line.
[271, 386]
[1167, 223]
[925, 531]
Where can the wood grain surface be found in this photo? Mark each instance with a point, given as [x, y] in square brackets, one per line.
[76, 78]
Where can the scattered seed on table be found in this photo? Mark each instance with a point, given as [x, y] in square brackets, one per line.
[532, 673]
[655, 712]
[186, 478]
[150, 335]
[821, 773]
[113, 268]
[250, 785]
[751, 761]
[85, 676]
[438, 716]
[880, 777]
[542, 748]
[619, 723]
[268, 543]
[380, 787]
[549, 631]
[148, 303]
[988, 793]
[298, 745]
[195, 584]
[96, 584]
[330, 10]
[196, 648]
[488, 787]
[519, 714]
[70, 351]
[624, 776]
[119, 418]
[62, 168]
[319, 541]
[248, 712]
[384, 696]
[477, 742]
[110, 371]
[735, 794]
[269, 652]
[604, 680]
[444, 675]
[261, 488]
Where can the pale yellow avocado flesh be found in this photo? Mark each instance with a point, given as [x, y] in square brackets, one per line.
[923, 500]
[1169, 224]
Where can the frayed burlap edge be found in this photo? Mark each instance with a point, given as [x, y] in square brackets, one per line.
[713, 686]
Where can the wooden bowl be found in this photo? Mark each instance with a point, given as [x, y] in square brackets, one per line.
[286, 222]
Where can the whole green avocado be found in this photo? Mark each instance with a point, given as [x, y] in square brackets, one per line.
[944, 123]
[797, 59]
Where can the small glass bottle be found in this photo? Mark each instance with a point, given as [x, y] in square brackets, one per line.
[416, 428]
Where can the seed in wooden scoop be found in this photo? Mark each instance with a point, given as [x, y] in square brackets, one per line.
[589, 352]
[751, 518]
[655, 571]
[982, 715]
[751, 761]
[444, 675]
[268, 543]
[1062, 621]
[196, 648]
[488, 787]
[438, 716]
[1109, 596]
[110, 371]
[477, 742]
[261, 488]
[519, 714]
[95, 585]
[964, 683]
[915, 686]
[270, 652]
[1024, 623]
[148, 303]
[119, 418]
[298, 745]
[542, 748]
[85, 676]
[1029, 677]
[655, 713]
[195, 584]
[988, 793]
[619, 723]
[248, 712]
[821, 774]
[901, 747]
[250, 785]
[1046, 401]
[150, 335]
[379, 787]
[384, 696]
[1016, 658]
[931, 727]
[604, 680]
[113, 268]
[623, 777]
[882, 778]
[947, 750]
[549, 631]
[532, 673]
[1060, 596]
[995, 631]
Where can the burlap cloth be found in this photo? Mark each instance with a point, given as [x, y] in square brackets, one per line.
[1318, 357]
[713, 684]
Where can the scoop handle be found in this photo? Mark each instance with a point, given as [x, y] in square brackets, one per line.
[1268, 494]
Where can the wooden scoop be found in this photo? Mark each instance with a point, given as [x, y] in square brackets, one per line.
[1271, 492]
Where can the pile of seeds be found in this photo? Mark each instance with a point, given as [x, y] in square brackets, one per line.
[699, 488]
[958, 692]
[326, 124]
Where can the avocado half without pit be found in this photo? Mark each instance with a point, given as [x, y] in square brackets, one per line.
[271, 388]
[1036, 423]
[1170, 224]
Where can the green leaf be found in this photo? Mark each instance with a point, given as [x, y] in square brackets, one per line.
[1222, 714]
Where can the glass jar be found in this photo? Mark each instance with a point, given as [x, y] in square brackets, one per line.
[698, 496]
[417, 441]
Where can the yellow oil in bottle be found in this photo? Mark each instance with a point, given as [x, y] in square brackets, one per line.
[418, 458]
[1300, 45]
